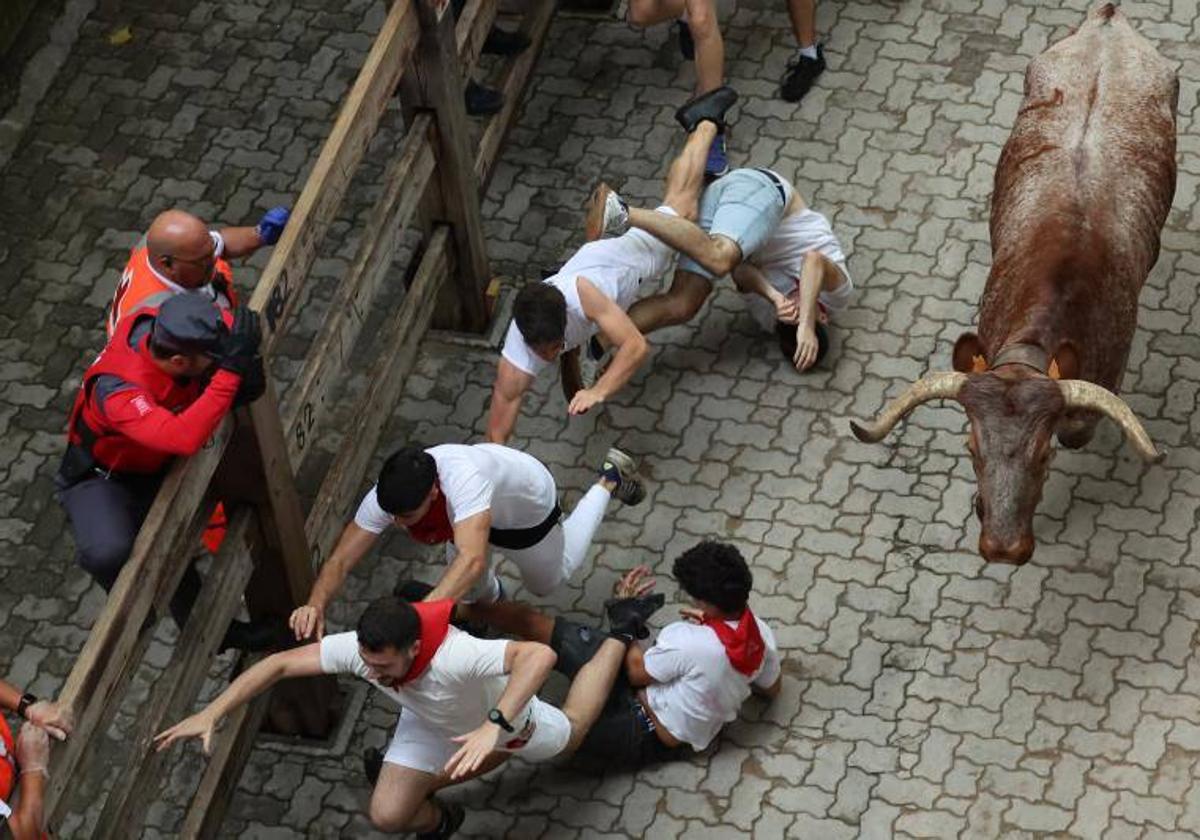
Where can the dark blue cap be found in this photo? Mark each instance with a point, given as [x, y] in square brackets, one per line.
[188, 323]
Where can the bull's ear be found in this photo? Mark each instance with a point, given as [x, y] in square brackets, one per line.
[968, 354]
[1065, 361]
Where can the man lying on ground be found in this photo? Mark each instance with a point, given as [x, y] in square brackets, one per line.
[592, 291]
[680, 692]
[467, 703]
[472, 499]
[752, 224]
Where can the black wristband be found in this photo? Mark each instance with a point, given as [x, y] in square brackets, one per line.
[497, 717]
[26, 701]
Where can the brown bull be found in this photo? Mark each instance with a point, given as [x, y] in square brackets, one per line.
[1082, 190]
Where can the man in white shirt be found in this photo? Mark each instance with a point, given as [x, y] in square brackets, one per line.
[474, 498]
[467, 703]
[693, 680]
[752, 224]
[587, 300]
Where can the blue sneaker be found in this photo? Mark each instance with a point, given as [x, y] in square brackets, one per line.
[718, 160]
[620, 468]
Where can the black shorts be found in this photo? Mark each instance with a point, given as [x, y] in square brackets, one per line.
[623, 735]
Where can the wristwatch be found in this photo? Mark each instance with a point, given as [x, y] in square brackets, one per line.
[497, 717]
[26, 701]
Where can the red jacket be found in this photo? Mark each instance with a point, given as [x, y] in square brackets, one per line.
[145, 416]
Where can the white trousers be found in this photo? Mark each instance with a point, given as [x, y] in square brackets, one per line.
[550, 563]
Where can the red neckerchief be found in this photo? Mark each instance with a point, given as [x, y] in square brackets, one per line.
[435, 625]
[434, 527]
[743, 644]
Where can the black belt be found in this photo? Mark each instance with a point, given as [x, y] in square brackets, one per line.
[518, 538]
[778, 182]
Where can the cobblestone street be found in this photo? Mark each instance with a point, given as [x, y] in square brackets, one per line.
[925, 694]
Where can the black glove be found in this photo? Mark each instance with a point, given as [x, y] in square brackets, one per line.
[240, 347]
[254, 383]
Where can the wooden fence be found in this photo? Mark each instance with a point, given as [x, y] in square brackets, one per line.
[433, 183]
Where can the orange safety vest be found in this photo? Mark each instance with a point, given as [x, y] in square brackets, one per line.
[142, 288]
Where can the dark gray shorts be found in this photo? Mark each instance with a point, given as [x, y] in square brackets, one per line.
[623, 735]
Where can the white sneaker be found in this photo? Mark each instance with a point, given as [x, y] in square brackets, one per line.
[607, 214]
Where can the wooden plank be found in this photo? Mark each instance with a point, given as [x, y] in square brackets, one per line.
[471, 30]
[404, 184]
[175, 691]
[536, 25]
[442, 90]
[404, 333]
[339, 489]
[287, 513]
[159, 556]
[285, 274]
[231, 748]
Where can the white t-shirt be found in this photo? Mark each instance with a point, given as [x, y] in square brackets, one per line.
[516, 487]
[5, 811]
[462, 682]
[781, 259]
[696, 690]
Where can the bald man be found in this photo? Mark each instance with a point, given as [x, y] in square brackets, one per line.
[180, 254]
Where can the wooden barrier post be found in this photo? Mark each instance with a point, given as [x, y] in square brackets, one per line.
[439, 87]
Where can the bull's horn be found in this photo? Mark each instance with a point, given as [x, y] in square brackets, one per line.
[933, 386]
[1079, 393]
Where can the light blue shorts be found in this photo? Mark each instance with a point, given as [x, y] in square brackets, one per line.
[745, 206]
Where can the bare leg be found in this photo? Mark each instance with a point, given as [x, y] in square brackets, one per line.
[710, 48]
[804, 21]
[403, 797]
[650, 12]
[590, 689]
[677, 306]
[511, 618]
[685, 180]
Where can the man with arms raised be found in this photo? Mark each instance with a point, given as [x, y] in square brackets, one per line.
[592, 291]
[473, 499]
[754, 225]
[467, 703]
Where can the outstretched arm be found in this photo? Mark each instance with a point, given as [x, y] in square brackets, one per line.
[352, 546]
[621, 333]
[507, 394]
[297, 662]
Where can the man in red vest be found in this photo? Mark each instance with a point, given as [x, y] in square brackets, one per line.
[23, 761]
[180, 254]
[147, 398]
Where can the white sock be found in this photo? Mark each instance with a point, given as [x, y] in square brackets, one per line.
[808, 52]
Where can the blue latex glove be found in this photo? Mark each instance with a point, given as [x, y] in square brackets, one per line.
[271, 226]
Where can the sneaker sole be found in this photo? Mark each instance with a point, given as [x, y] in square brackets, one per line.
[621, 460]
[594, 221]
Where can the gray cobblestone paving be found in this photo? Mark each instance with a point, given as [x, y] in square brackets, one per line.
[925, 694]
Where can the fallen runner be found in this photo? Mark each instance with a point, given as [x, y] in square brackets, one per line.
[590, 294]
[675, 696]
[754, 225]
